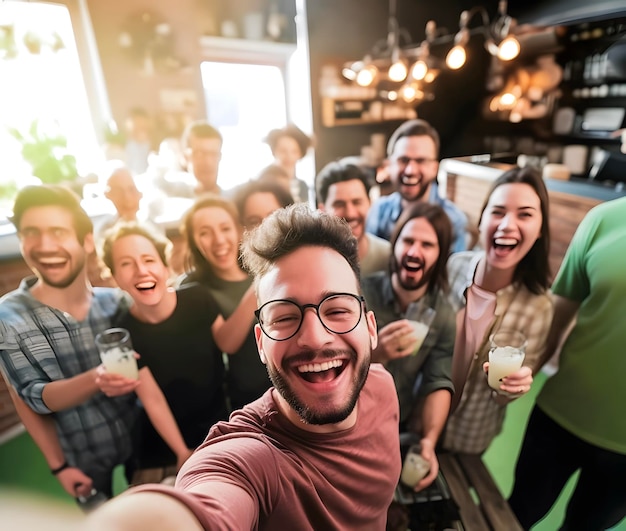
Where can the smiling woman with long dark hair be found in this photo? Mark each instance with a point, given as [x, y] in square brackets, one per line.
[504, 286]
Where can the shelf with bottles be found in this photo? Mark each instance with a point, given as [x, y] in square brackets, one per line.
[594, 54]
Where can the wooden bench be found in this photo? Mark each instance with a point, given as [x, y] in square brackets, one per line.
[481, 505]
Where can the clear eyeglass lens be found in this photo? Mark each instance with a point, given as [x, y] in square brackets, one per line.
[338, 313]
[404, 161]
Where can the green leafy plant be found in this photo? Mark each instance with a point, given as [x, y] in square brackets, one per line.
[45, 149]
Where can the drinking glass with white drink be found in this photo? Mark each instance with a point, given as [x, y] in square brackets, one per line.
[414, 467]
[508, 348]
[116, 352]
[420, 318]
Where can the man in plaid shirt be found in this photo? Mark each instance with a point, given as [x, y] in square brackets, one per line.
[47, 349]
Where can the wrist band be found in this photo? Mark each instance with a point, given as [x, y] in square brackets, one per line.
[55, 471]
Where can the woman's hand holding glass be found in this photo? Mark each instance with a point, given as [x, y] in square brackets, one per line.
[515, 384]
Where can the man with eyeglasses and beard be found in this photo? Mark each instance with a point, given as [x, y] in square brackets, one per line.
[417, 276]
[319, 450]
[412, 164]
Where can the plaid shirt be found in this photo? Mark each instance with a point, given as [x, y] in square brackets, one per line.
[429, 369]
[40, 344]
[478, 418]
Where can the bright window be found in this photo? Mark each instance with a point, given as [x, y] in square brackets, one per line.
[244, 102]
[41, 80]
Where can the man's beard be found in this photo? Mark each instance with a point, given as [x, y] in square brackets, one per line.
[413, 285]
[307, 413]
[422, 187]
[64, 282]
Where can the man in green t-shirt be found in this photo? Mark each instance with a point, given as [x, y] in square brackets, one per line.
[578, 422]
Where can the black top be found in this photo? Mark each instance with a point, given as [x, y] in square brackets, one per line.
[247, 376]
[187, 364]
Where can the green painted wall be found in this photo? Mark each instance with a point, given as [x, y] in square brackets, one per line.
[23, 468]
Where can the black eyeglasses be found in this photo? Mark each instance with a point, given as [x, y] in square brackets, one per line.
[404, 161]
[339, 313]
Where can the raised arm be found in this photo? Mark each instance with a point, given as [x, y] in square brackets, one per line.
[231, 333]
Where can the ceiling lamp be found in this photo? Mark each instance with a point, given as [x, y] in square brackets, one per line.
[406, 72]
[499, 41]
[367, 73]
[456, 57]
[419, 70]
[509, 48]
[387, 61]
[398, 70]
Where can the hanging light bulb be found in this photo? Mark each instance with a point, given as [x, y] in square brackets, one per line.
[509, 48]
[419, 70]
[366, 76]
[494, 104]
[351, 69]
[456, 57]
[507, 101]
[407, 93]
[431, 75]
[398, 71]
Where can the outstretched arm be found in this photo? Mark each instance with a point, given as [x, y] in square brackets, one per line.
[142, 510]
[223, 506]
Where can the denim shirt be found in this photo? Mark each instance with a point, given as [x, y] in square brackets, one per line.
[384, 213]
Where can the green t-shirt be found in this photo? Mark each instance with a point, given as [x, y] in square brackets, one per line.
[587, 394]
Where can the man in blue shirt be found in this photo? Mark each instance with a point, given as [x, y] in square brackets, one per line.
[413, 157]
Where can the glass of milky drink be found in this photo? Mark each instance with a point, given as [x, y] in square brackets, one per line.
[116, 352]
[505, 356]
[420, 317]
[414, 467]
